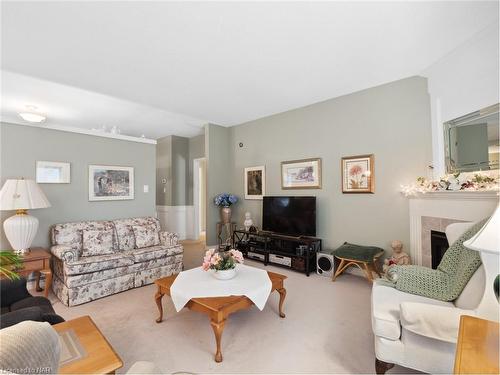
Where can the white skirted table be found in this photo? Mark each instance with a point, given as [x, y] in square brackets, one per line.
[199, 291]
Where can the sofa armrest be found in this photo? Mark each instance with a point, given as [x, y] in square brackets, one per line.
[169, 238]
[434, 321]
[65, 253]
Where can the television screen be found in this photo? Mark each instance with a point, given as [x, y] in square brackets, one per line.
[295, 216]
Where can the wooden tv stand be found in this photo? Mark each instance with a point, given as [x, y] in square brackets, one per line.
[297, 253]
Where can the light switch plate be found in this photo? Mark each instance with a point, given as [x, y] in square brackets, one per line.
[146, 188]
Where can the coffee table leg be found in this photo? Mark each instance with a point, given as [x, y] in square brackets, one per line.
[282, 293]
[158, 297]
[218, 327]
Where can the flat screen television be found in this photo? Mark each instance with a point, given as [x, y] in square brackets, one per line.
[294, 216]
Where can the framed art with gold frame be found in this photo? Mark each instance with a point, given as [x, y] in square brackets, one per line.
[301, 174]
[358, 174]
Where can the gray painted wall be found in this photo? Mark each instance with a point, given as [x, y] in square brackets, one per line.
[180, 160]
[22, 146]
[174, 161]
[196, 151]
[220, 168]
[164, 171]
[391, 121]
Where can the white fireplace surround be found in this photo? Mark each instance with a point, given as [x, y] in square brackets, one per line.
[468, 206]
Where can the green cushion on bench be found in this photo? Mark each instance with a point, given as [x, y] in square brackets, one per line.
[357, 252]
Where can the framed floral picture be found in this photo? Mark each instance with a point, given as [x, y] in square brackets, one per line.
[358, 174]
[301, 174]
[255, 182]
[110, 183]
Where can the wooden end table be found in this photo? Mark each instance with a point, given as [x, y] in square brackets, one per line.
[101, 358]
[38, 262]
[477, 346]
[219, 308]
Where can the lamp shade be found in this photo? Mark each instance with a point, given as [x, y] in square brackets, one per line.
[487, 239]
[22, 195]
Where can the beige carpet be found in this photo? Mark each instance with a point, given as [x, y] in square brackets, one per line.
[326, 330]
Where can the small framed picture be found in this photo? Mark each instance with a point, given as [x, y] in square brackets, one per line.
[255, 182]
[110, 183]
[301, 174]
[358, 174]
[53, 172]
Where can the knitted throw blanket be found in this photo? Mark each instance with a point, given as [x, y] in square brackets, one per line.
[447, 281]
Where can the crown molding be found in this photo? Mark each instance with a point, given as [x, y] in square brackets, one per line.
[95, 133]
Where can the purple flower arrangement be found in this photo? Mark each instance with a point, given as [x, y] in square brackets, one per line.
[225, 200]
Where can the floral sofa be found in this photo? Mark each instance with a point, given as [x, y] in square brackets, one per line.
[94, 259]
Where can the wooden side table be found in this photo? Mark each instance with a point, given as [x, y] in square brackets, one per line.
[100, 356]
[477, 346]
[37, 261]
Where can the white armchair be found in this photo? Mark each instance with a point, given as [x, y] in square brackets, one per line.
[420, 332]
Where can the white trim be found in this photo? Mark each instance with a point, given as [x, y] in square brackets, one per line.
[196, 197]
[95, 133]
[177, 219]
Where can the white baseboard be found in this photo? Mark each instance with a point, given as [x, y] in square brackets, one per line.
[178, 219]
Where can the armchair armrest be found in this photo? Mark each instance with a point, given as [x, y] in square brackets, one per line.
[438, 322]
[169, 238]
[65, 253]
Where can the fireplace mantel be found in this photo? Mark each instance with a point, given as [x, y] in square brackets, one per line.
[459, 195]
[453, 205]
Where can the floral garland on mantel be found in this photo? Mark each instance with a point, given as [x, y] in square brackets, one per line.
[452, 182]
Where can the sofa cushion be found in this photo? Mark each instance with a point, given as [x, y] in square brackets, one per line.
[97, 242]
[145, 235]
[357, 252]
[71, 233]
[125, 233]
[154, 252]
[97, 263]
[386, 301]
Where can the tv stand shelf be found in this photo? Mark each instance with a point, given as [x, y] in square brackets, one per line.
[297, 253]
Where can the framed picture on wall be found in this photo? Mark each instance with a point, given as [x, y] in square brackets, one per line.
[53, 172]
[301, 174]
[358, 174]
[110, 183]
[255, 182]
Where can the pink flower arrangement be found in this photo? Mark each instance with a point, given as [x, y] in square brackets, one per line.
[220, 261]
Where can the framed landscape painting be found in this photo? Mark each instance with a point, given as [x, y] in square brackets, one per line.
[255, 182]
[301, 174]
[110, 183]
[358, 174]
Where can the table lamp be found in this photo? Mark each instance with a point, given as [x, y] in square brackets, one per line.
[21, 195]
[487, 242]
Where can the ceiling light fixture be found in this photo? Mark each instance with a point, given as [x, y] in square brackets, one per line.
[32, 115]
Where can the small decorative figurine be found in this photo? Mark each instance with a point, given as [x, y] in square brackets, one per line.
[399, 257]
[248, 221]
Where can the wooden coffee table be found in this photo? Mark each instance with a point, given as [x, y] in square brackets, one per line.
[219, 308]
[101, 358]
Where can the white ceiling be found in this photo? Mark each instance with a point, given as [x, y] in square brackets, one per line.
[71, 107]
[222, 62]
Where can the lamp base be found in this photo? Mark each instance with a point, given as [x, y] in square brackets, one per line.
[20, 230]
